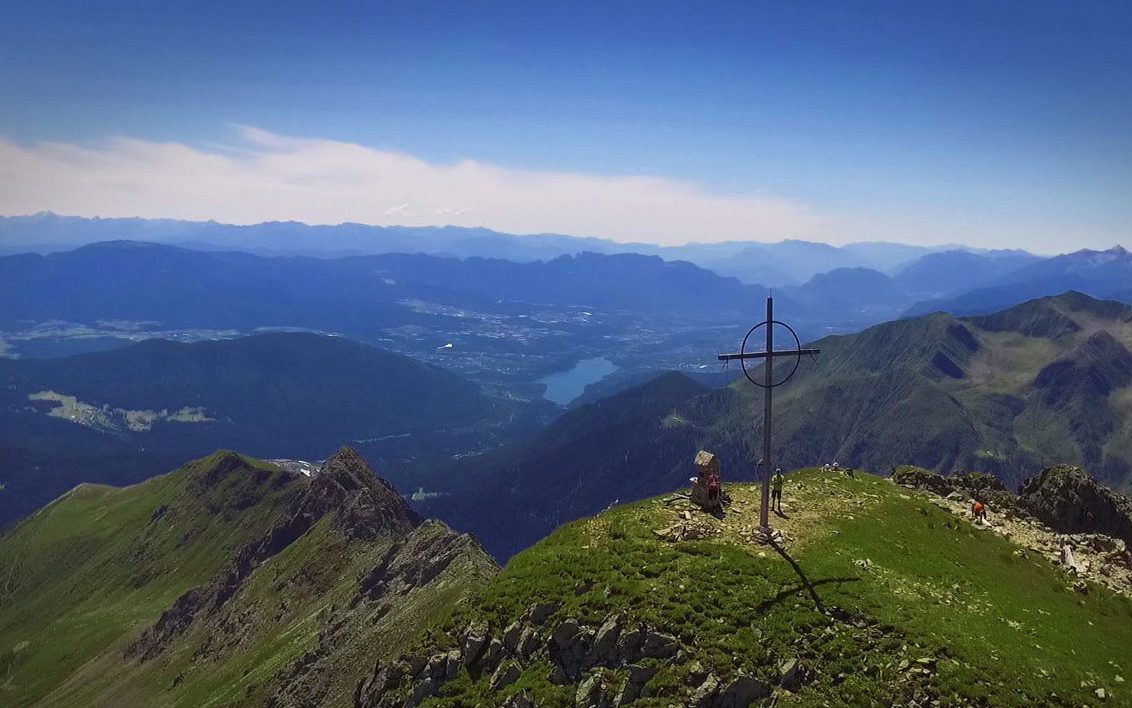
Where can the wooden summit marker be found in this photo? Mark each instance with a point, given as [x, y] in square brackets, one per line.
[768, 385]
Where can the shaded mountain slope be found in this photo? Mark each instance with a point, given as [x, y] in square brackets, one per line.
[227, 581]
[589, 458]
[953, 272]
[876, 595]
[626, 281]
[115, 416]
[1043, 383]
[295, 385]
[851, 296]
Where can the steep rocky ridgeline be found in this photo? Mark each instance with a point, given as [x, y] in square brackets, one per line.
[872, 593]
[965, 485]
[1065, 498]
[228, 581]
[1062, 514]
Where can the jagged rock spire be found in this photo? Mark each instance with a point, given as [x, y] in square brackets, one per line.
[366, 505]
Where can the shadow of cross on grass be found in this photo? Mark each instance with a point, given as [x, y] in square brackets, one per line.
[810, 586]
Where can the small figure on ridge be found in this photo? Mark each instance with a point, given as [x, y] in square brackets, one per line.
[776, 483]
[980, 512]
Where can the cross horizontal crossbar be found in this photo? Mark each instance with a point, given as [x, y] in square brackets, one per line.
[763, 355]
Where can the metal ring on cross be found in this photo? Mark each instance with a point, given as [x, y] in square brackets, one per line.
[797, 357]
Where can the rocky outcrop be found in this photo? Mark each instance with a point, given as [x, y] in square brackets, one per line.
[1068, 500]
[1062, 514]
[431, 559]
[606, 665]
[920, 478]
[962, 486]
[1097, 557]
[576, 652]
[740, 692]
[365, 505]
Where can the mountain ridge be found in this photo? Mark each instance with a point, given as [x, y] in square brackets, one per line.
[977, 387]
[311, 576]
[27, 231]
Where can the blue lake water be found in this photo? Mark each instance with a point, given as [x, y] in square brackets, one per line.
[564, 386]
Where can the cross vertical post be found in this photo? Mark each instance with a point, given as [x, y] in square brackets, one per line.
[768, 389]
[767, 385]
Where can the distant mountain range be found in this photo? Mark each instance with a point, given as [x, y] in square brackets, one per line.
[789, 262]
[178, 287]
[416, 303]
[1103, 274]
[424, 277]
[958, 282]
[908, 279]
[491, 319]
[950, 272]
[793, 262]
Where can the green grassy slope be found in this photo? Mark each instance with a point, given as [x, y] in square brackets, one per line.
[226, 582]
[921, 604]
[100, 562]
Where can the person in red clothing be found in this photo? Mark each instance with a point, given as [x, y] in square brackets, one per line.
[713, 488]
[980, 511]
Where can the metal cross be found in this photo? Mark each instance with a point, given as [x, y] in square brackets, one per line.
[768, 386]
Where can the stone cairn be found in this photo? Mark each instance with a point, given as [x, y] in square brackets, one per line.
[707, 465]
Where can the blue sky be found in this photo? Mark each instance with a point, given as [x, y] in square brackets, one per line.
[1002, 124]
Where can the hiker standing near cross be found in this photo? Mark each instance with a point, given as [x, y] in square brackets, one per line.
[768, 386]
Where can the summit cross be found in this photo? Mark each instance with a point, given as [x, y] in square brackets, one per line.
[768, 385]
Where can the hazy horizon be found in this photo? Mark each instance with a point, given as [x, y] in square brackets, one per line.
[547, 234]
[997, 125]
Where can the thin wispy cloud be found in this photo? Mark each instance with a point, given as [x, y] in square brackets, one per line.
[267, 177]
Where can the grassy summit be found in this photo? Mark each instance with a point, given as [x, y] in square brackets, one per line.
[920, 605]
